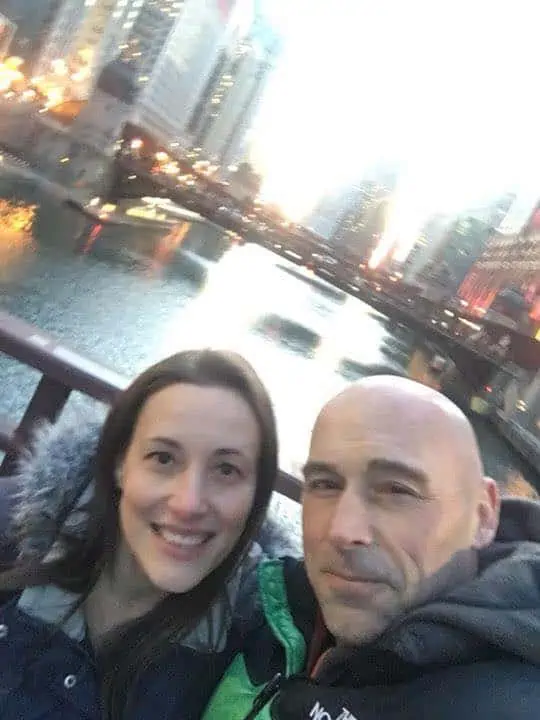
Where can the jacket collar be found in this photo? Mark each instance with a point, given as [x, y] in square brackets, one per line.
[54, 606]
[482, 605]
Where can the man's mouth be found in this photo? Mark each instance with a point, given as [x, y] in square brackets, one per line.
[352, 589]
[352, 578]
[361, 579]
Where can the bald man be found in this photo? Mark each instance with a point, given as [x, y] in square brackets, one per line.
[413, 600]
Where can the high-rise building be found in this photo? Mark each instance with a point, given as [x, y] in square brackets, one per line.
[361, 225]
[92, 30]
[507, 263]
[104, 114]
[58, 40]
[95, 29]
[461, 246]
[172, 47]
[7, 32]
[426, 247]
[448, 246]
[327, 213]
[34, 20]
[229, 102]
[147, 29]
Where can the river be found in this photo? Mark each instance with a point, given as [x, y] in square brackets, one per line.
[119, 304]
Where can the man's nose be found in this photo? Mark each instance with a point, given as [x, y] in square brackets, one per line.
[188, 495]
[351, 523]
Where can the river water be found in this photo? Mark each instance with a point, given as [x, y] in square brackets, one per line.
[122, 304]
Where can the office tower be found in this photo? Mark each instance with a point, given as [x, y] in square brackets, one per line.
[508, 262]
[34, 19]
[224, 115]
[7, 32]
[329, 211]
[362, 224]
[432, 236]
[96, 23]
[448, 246]
[108, 108]
[172, 48]
[60, 34]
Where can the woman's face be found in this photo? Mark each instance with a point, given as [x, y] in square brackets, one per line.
[188, 483]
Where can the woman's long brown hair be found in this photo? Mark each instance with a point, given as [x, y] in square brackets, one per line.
[139, 644]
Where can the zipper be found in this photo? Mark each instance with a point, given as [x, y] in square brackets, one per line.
[266, 694]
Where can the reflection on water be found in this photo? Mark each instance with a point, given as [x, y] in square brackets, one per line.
[120, 306]
[106, 303]
[293, 334]
[14, 246]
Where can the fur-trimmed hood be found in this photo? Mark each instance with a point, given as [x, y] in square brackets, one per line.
[55, 479]
[57, 473]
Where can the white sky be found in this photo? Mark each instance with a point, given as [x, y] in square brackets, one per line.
[448, 89]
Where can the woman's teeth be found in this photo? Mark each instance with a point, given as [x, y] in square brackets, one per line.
[181, 539]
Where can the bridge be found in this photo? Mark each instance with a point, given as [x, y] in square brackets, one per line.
[135, 177]
[131, 178]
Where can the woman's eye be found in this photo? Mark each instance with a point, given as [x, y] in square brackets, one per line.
[161, 457]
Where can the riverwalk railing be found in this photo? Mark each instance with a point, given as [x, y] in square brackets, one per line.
[62, 372]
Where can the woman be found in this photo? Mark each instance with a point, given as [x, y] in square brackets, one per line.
[119, 586]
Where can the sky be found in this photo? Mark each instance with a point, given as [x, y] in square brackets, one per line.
[447, 90]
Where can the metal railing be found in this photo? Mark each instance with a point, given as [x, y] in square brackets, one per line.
[62, 372]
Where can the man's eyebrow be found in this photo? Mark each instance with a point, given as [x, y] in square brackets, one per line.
[228, 451]
[317, 466]
[410, 471]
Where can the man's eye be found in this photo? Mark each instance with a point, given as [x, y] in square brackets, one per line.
[400, 489]
[228, 470]
[321, 484]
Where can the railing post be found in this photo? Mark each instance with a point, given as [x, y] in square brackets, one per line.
[289, 486]
[47, 402]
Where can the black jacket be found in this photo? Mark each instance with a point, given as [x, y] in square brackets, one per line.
[471, 652]
[47, 674]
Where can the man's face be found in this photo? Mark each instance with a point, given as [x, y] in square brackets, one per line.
[384, 507]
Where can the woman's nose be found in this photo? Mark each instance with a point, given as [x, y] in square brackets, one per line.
[189, 494]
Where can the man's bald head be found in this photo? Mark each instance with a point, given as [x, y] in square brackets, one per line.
[416, 413]
[394, 489]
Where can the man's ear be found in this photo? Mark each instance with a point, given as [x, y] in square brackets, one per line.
[488, 514]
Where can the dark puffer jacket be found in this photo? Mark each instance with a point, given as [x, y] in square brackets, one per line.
[53, 675]
[470, 652]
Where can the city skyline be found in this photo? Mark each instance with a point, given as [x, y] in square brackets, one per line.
[456, 147]
[287, 98]
[174, 50]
